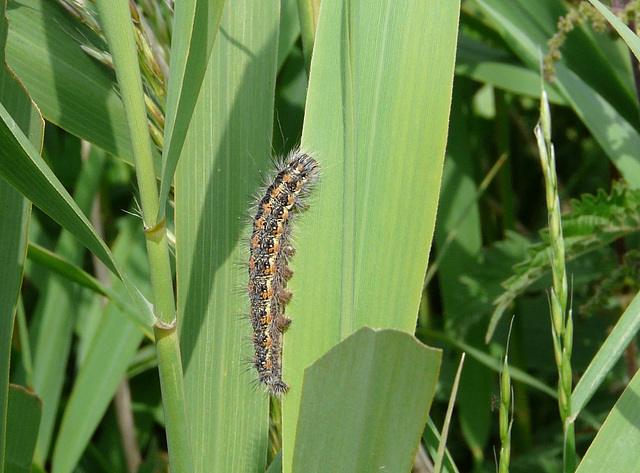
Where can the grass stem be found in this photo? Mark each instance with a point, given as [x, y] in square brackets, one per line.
[115, 18]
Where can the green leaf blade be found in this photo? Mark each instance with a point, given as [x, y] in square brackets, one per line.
[14, 214]
[616, 445]
[22, 427]
[111, 351]
[196, 25]
[226, 150]
[15, 211]
[26, 171]
[629, 36]
[107, 361]
[360, 392]
[51, 329]
[72, 90]
[380, 144]
[609, 353]
[53, 262]
[487, 65]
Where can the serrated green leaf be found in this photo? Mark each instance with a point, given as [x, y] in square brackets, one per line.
[376, 120]
[595, 222]
[360, 392]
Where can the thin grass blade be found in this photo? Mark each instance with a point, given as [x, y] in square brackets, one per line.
[289, 29]
[488, 65]
[458, 239]
[616, 446]
[14, 227]
[55, 263]
[26, 171]
[195, 27]
[623, 30]
[308, 11]
[276, 464]
[51, 327]
[623, 333]
[113, 347]
[431, 438]
[492, 363]
[447, 420]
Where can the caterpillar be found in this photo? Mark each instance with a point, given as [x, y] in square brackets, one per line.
[270, 252]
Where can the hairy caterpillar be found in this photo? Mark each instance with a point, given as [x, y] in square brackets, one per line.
[270, 251]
